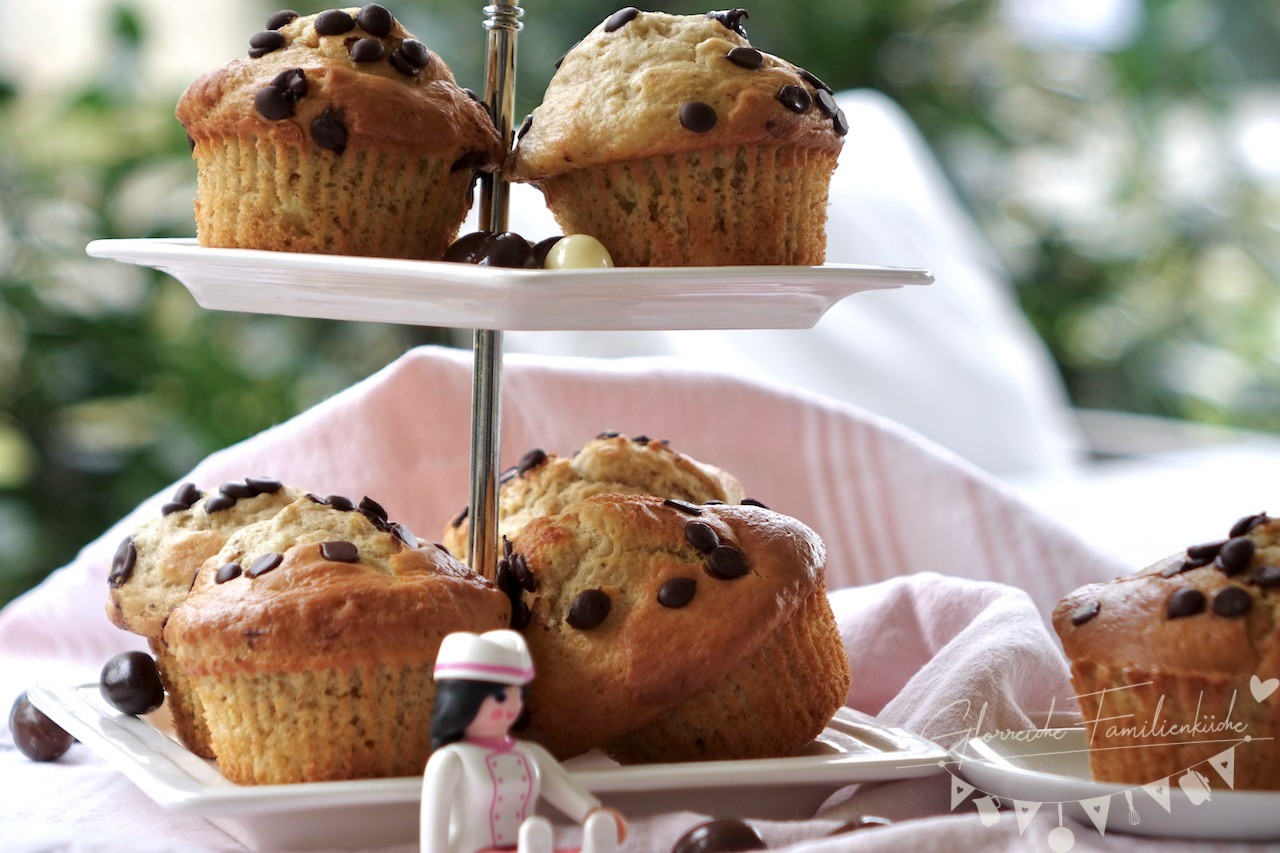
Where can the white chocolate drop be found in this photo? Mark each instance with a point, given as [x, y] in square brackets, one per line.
[578, 252]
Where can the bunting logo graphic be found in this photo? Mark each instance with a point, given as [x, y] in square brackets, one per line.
[1194, 785]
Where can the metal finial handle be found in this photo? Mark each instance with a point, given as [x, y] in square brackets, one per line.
[503, 25]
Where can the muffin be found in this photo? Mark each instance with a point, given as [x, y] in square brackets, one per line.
[340, 133]
[545, 483]
[675, 143]
[310, 640]
[1174, 664]
[155, 567]
[664, 631]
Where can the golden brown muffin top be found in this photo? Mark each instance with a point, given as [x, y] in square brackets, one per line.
[315, 582]
[546, 483]
[645, 84]
[155, 567]
[641, 602]
[1214, 609]
[345, 79]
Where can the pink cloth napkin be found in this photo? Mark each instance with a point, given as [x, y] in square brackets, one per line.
[941, 578]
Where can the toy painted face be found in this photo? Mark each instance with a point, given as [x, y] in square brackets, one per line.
[497, 714]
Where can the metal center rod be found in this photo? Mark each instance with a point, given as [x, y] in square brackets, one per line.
[503, 24]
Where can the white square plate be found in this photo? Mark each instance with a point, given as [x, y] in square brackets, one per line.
[465, 296]
[374, 812]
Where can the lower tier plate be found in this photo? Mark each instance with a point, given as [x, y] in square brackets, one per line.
[377, 812]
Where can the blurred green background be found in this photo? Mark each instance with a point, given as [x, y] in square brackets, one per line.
[1128, 173]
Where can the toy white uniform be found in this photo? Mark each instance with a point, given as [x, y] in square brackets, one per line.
[479, 792]
[477, 795]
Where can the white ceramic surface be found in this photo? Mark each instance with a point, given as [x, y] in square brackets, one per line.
[464, 296]
[853, 748]
[1053, 767]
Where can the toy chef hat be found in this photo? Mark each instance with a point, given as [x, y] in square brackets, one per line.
[498, 656]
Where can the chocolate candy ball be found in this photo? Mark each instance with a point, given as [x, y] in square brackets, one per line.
[131, 683]
[34, 734]
[720, 836]
[507, 249]
[463, 250]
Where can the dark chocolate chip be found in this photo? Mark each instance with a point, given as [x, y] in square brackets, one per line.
[267, 40]
[442, 548]
[367, 50]
[339, 551]
[328, 132]
[588, 609]
[187, 493]
[686, 508]
[1194, 563]
[524, 126]
[520, 615]
[507, 249]
[293, 82]
[1176, 568]
[471, 160]
[1085, 612]
[1232, 601]
[1244, 525]
[1266, 576]
[372, 508]
[507, 548]
[542, 248]
[264, 564]
[722, 835]
[274, 104]
[1187, 601]
[677, 592]
[860, 822]
[281, 18]
[375, 20]
[620, 19]
[414, 54]
[218, 503]
[35, 735]
[520, 565]
[826, 103]
[504, 577]
[1206, 549]
[471, 93]
[399, 63]
[731, 18]
[460, 517]
[840, 123]
[507, 476]
[702, 536]
[131, 684]
[264, 485]
[230, 571]
[726, 562]
[752, 502]
[795, 99]
[641, 439]
[745, 57]
[464, 249]
[334, 22]
[609, 433]
[314, 498]
[172, 507]
[340, 502]
[713, 503]
[405, 535]
[237, 490]
[531, 460]
[812, 79]
[126, 557]
[697, 116]
[1235, 556]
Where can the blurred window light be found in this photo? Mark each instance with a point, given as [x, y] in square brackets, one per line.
[1083, 24]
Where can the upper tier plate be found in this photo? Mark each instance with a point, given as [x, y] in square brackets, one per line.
[463, 296]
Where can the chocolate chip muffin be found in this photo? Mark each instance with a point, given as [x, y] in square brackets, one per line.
[339, 133]
[676, 143]
[664, 631]
[1175, 664]
[544, 483]
[310, 640]
[155, 567]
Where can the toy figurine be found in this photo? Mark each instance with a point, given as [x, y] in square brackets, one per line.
[481, 784]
